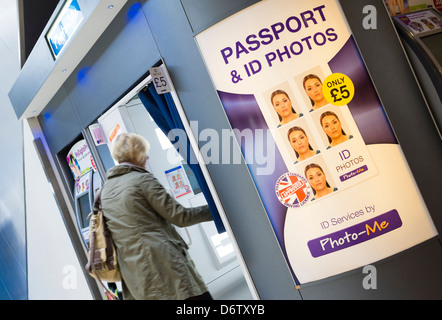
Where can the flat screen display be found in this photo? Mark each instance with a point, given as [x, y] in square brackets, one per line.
[64, 26]
[84, 208]
[434, 44]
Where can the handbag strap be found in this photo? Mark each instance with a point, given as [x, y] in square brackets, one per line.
[106, 232]
[97, 206]
[97, 200]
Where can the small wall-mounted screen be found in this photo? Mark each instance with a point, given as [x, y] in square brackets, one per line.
[434, 44]
[84, 208]
[64, 26]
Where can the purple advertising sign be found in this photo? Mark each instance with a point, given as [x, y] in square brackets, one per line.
[292, 83]
[356, 234]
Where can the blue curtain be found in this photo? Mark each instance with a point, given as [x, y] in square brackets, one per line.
[165, 114]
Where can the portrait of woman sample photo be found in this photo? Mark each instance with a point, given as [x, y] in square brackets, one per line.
[332, 127]
[140, 214]
[313, 88]
[283, 106]
[318, 181]
[300, 143]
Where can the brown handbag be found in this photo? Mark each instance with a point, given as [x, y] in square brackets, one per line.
[102, 264]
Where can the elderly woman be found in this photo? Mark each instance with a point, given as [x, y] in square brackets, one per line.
[140, 213]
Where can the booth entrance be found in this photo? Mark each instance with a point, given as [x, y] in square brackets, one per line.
[212, 250]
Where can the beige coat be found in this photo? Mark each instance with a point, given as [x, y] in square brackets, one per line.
[153, 258]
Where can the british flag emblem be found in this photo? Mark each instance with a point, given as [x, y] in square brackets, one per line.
[292, 190]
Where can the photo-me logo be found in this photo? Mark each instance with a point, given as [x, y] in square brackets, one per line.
[292, 190]
[356, 234]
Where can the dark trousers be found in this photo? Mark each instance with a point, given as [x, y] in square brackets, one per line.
[204, 296]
